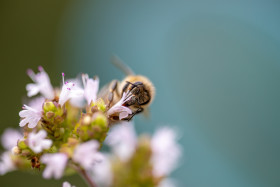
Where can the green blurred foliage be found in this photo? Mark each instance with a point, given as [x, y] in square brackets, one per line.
[28, 36]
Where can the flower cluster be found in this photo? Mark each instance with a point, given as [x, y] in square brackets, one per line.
[63, 130]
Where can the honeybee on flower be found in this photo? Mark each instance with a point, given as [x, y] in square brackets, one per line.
[64, 129]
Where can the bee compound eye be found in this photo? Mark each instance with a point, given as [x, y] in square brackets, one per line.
[138, 83]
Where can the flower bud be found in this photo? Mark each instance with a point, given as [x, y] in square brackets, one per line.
[50, 114]
[68, 148]
[100, 120]
[99, 104]
[59, 133]
[49, 106]
[16, 150]
[22, 145]
[92, 127]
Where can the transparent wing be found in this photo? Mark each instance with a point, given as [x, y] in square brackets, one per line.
[121, 65]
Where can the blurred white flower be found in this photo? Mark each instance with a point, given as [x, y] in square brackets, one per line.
[166, 152]
[6, 163]
[31, 116]
[67, 184]
[91, 87]
[167, 183]
[37, 103]
[69, 91]
[41, 84]
[119, 109]
[37, 141]
[102, 172]
[55, 165]
[122, 139]
[87, 155]
[10, 137]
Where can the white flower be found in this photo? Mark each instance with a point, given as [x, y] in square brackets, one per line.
[6, 163]
[31, 116]
[55, 165]
[37, 103]
[166, 152]
[37, 141]
[119, 109]
[90, 87]
[78, 100]
[122, 139]
[87, 155]
[67, 184]
[69, 91]
[102, 172]
[41, 84]
[10, 137]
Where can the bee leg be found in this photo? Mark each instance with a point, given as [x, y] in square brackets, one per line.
[111, 93]
[125, 87]
[139, 109]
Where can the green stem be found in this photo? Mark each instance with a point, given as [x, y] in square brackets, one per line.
[86, 177]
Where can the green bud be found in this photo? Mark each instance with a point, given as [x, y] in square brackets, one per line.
[98, 105]
[49, 106]
[50, 114]
[100, 120]
[92, 127]
[58, 119]
[53, 149]
[25, 152]
[59, 132]
[22, 145]
[101, 105]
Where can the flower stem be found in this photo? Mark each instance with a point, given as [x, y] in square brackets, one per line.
[86, 177]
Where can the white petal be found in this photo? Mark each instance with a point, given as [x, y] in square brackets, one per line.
[55, 165]
[33, 122]
[41, 84]
[32, 89]
[66, 184]
[122, 139]
[24, 113]
[86, 154]
[10, 137]
[102, 172]
[30, 115]
[69, 91]
[37, 103]
[37, 141]
[120, 110]
[23, 122]
[6, 163]
[46, 144]
[166, 152]
[91, 89]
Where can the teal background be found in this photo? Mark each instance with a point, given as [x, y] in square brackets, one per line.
[215, 67]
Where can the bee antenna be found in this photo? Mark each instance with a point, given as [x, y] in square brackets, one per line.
[121, 65]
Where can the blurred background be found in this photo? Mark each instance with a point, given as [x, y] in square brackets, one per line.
[215, 66]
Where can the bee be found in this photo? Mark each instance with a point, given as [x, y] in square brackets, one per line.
[139, 91]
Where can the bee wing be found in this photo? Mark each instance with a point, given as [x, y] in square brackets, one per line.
[121, 65]
[110, 88]
[104, 91]
[146, 113]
